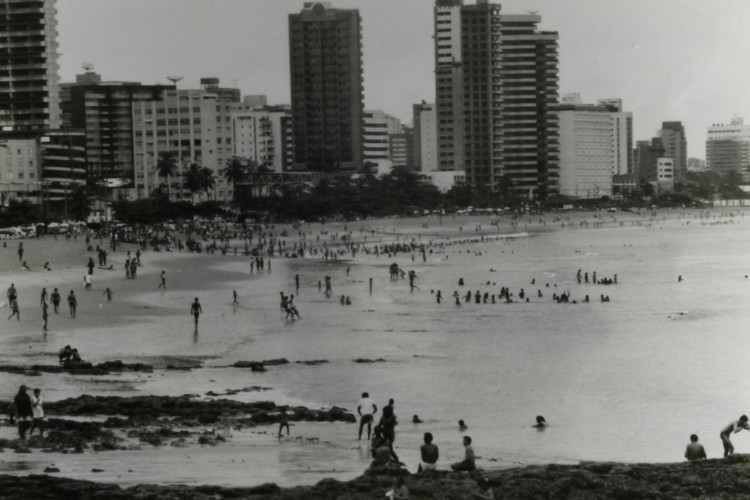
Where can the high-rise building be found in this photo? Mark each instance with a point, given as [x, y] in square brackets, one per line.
[675, 147]
[29, 97]
[325, 55]
[425, 137]
[402, 148]
[193, 124]
[646, 157]
[727, 146]
[727, 155]
[595, 145]
[496, 84]
[103, 110]
[264, 136]
[378, 126]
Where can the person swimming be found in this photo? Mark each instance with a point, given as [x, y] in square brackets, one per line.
[462, 425]
[540, 422]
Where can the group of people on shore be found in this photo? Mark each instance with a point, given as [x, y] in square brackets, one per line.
[28, 411]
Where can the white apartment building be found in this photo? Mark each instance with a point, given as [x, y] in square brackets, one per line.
[264, 135]
[665, 174]
[198, 130]
[425, 137]
[727, 146]
[595, 144]
[378, 126]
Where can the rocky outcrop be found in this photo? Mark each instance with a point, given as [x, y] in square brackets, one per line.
[709, 479]
[83, 368]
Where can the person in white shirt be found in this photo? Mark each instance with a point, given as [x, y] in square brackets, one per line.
[366, 409]
[37, 413]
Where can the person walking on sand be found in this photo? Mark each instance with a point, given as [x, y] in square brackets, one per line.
[44, 315]
[55, 298]
[108, 293]
[44, 295]
[163, 278]
[366, 410]
[235, 302]
[196, 310]
[72, 303]
[733, 427]
[694, 450]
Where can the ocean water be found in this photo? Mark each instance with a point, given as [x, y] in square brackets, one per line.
[624, 380]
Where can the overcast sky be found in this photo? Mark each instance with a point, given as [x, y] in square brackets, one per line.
[667, 59]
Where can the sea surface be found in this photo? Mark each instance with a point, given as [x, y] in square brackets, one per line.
[625, 380]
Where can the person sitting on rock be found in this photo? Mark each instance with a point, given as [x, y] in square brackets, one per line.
[694, 451]
[467, 464]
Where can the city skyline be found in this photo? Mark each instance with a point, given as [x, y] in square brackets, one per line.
[668, 61]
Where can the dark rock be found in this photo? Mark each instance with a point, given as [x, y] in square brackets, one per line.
[313, 362]
[363, 360]
[51, 469]
[97, 470]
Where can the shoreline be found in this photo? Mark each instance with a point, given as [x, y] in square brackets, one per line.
[137, 301]
[715, 479]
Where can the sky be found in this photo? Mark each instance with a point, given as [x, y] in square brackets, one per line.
[669, 60]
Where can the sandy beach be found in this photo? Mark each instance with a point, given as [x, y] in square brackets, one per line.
[495, 365]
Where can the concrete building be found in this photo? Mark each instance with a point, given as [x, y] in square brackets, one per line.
[325, 56]
[665, 174]
[402, 148]
[675, 146]
[696, 165]
[20, 161]
[193, 123]
[264, 136]
[63, 159]
[496, 83]
[728, 154]
[645, 159]
[378, 127]
[29, 92]
[595, 145]
[425, 137]
[103, 110]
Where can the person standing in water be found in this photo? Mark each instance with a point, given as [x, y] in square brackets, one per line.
[196, 310]
[55, 298]
[72, 303]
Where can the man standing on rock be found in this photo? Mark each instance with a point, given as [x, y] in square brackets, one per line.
[366, 409]
[37, 410]
[733, 427]
[22, 402]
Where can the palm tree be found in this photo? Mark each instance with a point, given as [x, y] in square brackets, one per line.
[234, 172]
[196, 178]
[167, 166]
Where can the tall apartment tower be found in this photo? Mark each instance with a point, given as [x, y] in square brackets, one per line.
[675, 146]
[496, 86]
[29, 97]
[325, 55]
[425, 137]
[728, 146]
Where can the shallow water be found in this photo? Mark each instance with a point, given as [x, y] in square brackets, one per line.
[627, 380]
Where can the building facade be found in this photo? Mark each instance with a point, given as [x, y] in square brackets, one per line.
[727, 153]
[193, 124]
[665, 174]
[675, 147]
[264, 136]
[645, 159]
[325, 55]
[595, 145]
[104, 111]
[63, 160]
[378, 127]
[29, 88]
[425, 137]
[402, 148]
[496, 86]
